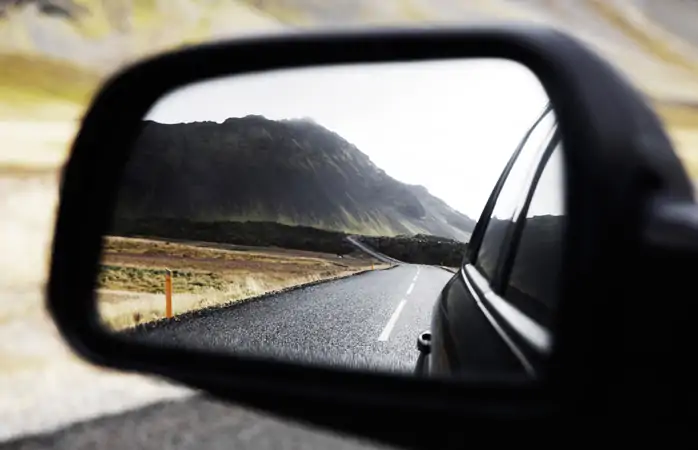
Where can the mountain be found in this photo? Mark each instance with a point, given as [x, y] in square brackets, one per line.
[293, 172]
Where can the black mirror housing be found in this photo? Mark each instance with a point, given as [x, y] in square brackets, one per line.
[621, 172]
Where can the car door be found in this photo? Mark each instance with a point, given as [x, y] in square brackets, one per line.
[519, 299]
[530, 271]
[468, 333]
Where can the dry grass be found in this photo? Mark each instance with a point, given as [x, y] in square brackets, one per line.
[652, 44]
[192, 249]
[40, 102]
[131, 283]
[679, 116]
[681, 121]
[32, 79]
[34, 146]
[686, 144]
[279, 10]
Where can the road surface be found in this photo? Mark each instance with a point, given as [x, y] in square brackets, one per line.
[367, 321]
[192, 424]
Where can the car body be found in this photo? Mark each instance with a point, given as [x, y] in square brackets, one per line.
[494, 314]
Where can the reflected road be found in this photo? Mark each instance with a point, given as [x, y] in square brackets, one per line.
[370, 320]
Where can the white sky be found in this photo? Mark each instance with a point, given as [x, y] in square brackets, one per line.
[448, 125]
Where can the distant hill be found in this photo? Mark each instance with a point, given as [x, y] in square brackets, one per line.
[293, 172]
[419, 249]
[104, 35]
[255, 234]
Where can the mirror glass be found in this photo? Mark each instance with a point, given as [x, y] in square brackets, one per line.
[321, 215]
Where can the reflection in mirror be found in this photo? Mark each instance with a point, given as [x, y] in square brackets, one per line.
[317, 215]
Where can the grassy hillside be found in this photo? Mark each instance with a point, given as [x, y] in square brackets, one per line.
[34, 86]
[681, 121]
[104, 35]
[99, 37]
[258, 234]
[293, 172]
[133, 273]
[418, 249]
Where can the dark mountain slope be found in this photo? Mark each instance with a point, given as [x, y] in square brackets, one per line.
[293, 172]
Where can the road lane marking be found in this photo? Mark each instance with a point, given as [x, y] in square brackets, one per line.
[410, 288]
[391, 323]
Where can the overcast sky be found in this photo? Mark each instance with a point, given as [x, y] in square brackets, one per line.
[447, 125]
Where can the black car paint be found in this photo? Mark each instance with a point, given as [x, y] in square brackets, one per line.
[467, 336]
[463, 339]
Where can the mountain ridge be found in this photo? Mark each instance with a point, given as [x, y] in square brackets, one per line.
[293, 172]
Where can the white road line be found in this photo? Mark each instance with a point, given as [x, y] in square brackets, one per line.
[391, 323]
[410, 288]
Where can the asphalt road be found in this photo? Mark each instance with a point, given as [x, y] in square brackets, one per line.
[367, 321]
[192, 424]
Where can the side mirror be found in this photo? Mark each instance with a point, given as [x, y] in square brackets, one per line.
[150, 183]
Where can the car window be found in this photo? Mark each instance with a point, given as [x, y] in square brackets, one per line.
[532, 284]
[511, 195]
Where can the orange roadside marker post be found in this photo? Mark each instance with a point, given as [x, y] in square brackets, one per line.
[168, 293]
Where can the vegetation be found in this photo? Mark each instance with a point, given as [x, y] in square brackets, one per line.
[150, 280]
[681, 120]
[419, 249]
[131, 282]
[39, 87]
[635, 30]
[258, 234]
[293, 172]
